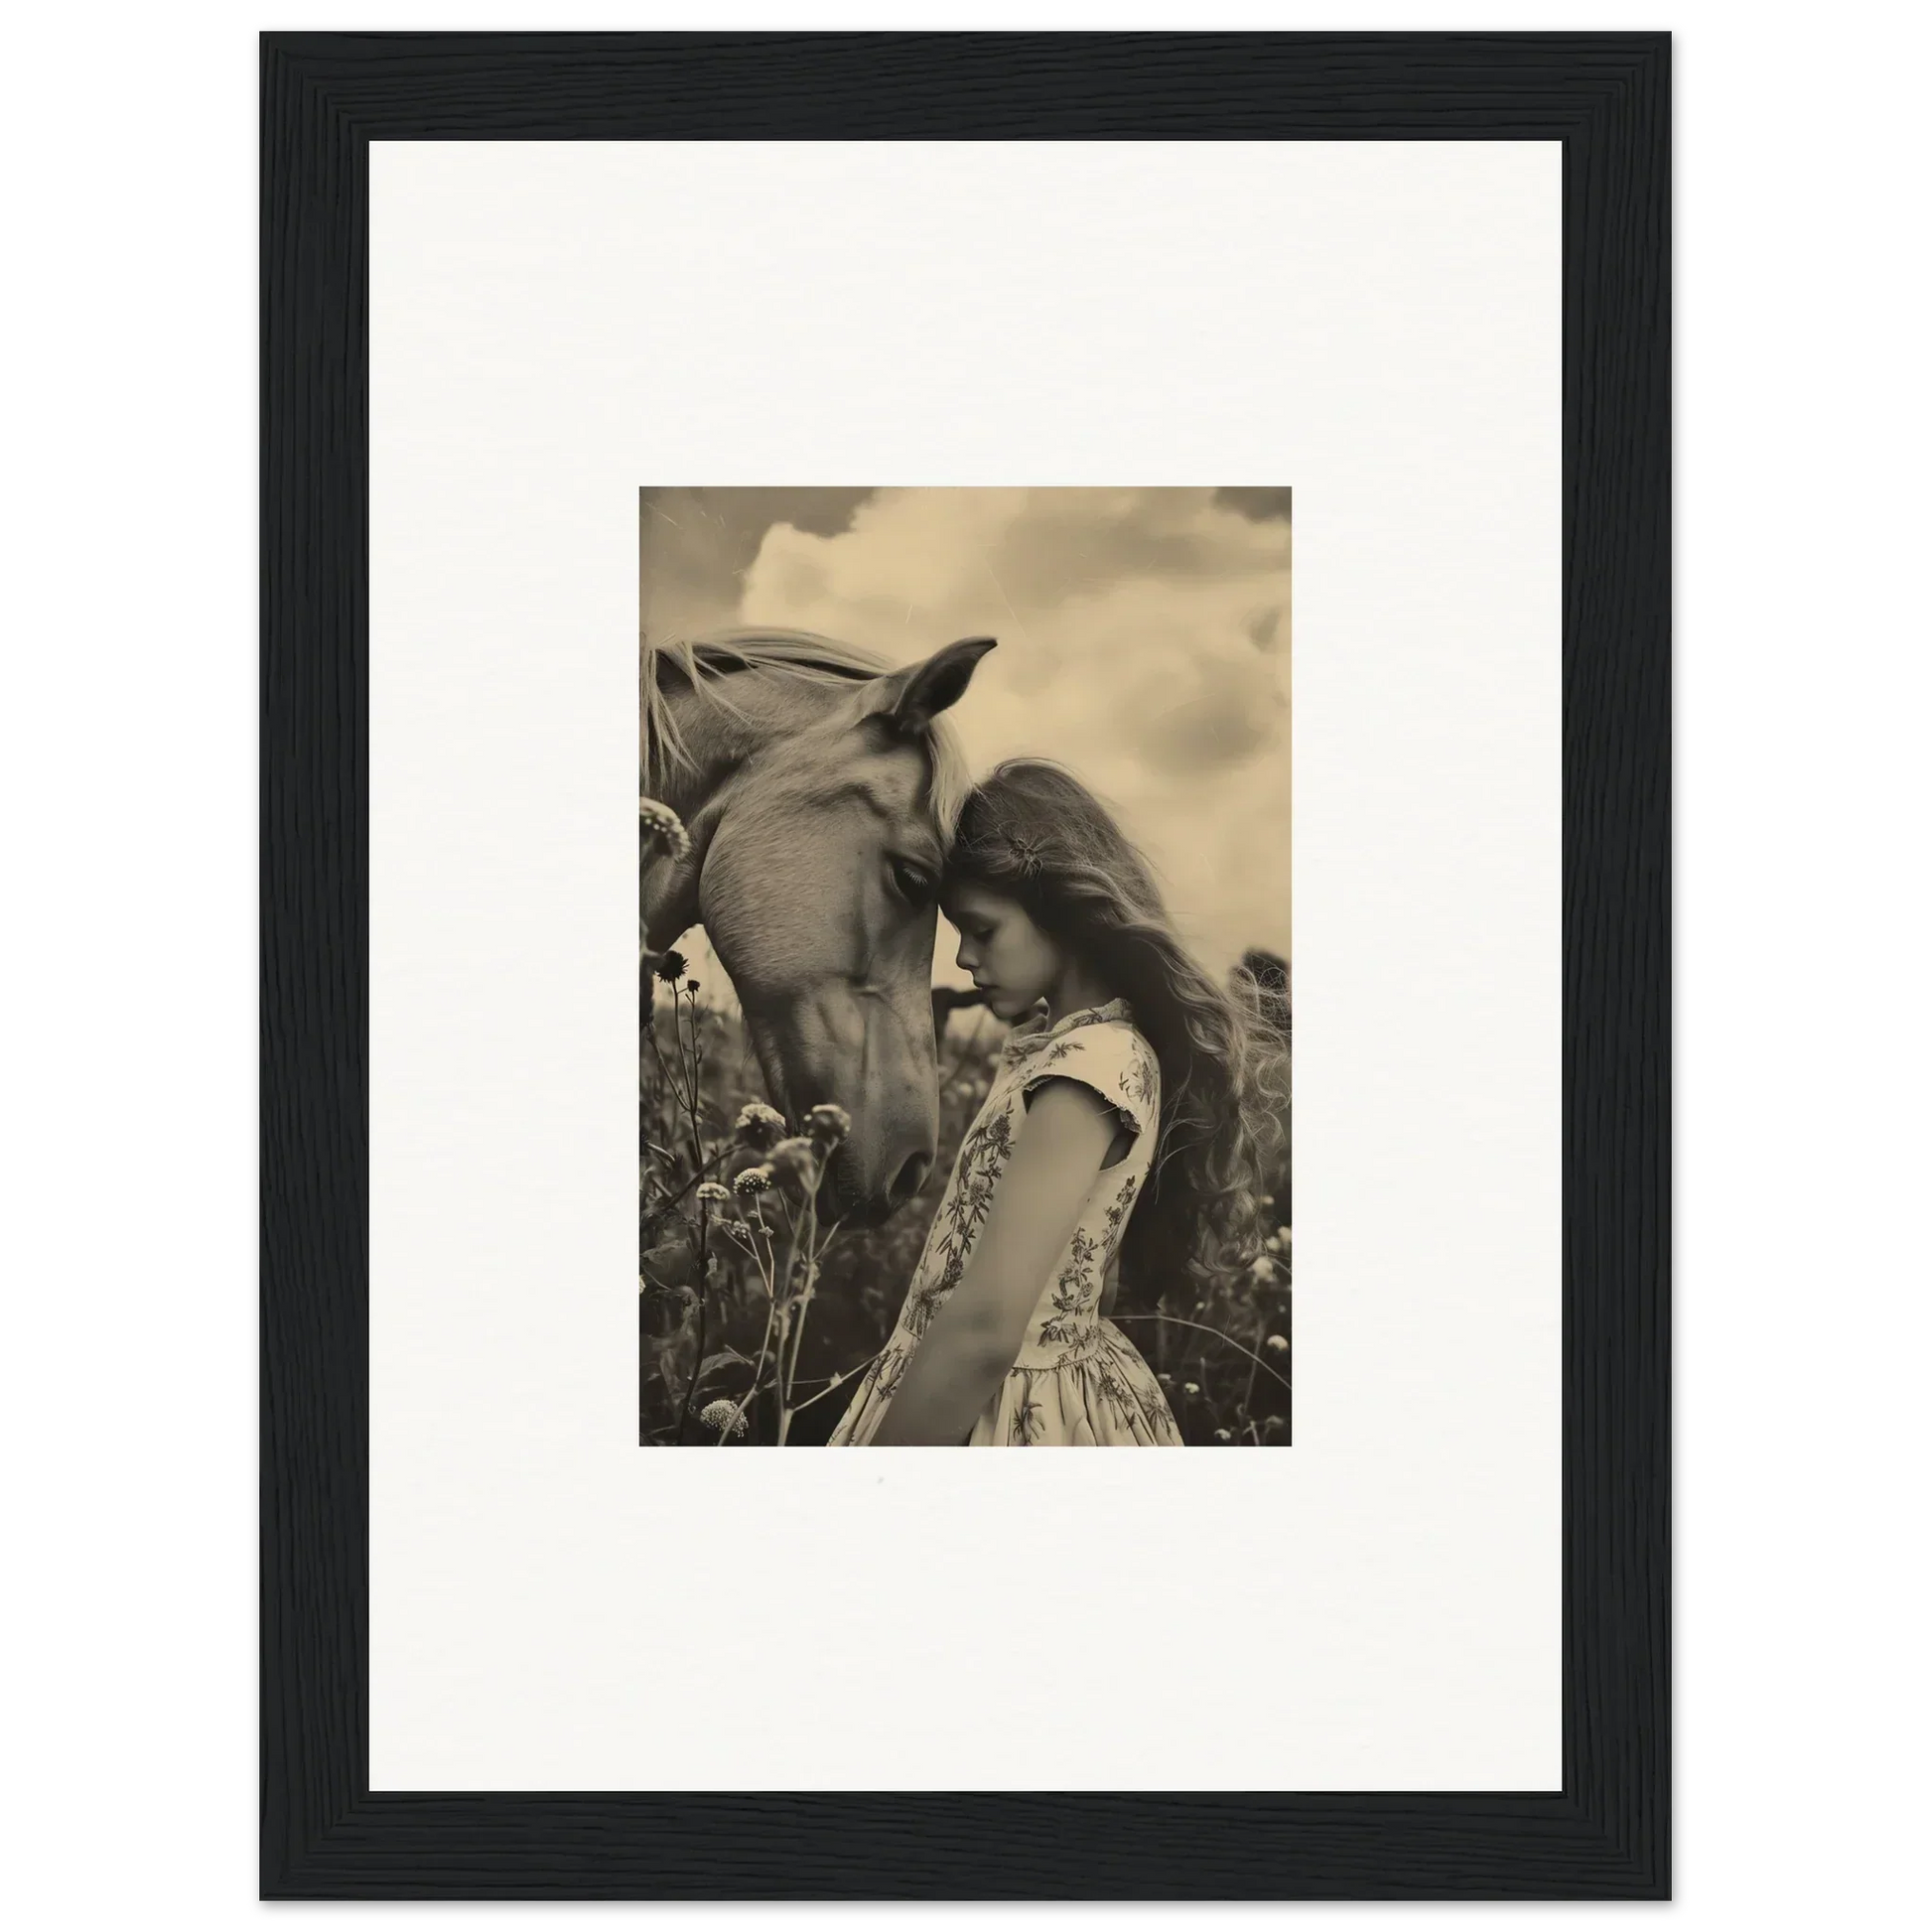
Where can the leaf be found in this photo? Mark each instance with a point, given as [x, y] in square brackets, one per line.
[675, 1354]
[672, 1264]
[723, 1359]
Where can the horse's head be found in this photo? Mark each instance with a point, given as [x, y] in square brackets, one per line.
[819, 894]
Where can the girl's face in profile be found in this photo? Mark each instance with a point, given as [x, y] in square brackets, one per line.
[1001, 948]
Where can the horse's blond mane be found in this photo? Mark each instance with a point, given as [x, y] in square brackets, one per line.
[706, 662]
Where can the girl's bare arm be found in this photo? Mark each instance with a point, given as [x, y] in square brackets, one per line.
[1036, 1207]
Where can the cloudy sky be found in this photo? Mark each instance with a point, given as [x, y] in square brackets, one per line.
[1143, 641]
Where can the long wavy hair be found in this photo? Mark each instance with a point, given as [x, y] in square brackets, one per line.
[1033, 833]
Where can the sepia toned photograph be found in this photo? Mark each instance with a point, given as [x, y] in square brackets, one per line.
[965, 968]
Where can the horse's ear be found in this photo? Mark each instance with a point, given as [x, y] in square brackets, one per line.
[911, 699]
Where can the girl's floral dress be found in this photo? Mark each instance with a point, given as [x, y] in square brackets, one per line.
[1077, 1380]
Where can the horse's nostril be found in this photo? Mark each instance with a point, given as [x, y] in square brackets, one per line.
[912, 1177]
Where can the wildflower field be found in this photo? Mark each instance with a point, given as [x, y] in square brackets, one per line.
[754, 1322]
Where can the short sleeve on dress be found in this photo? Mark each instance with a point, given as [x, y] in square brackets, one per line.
[1111, 1061]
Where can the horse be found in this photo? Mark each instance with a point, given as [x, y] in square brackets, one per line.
[819, 786]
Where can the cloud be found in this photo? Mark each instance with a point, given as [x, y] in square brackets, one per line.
[695, 546]
[1143, 641]
[1199, 715]
[1260, 504]
[1263, 629]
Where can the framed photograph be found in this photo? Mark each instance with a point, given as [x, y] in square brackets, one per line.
[1101, 807]
[1130, 572]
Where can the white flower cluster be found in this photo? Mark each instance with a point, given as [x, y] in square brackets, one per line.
[721, 1416]
[758, 1127]
[660, 827]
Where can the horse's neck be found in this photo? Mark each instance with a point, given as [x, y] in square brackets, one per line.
[719, 744]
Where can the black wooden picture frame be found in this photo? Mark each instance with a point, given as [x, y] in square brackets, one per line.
[324, 1832]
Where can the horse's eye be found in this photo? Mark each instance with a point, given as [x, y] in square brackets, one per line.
[912, 884]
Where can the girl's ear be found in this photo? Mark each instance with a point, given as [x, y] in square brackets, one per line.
[911, 699]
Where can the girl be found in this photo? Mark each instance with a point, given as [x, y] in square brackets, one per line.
[1131, 1117]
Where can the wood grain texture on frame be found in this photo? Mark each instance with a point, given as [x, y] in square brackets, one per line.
[324, 1832]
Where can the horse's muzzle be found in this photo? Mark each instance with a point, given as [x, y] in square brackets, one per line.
[840, 1201]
